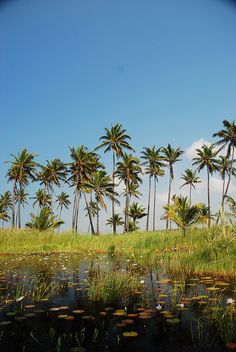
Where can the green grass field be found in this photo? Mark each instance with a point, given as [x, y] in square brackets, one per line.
[201, 251]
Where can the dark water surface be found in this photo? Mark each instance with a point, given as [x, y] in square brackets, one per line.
[45, 306]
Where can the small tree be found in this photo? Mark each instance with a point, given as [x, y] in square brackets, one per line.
[136, 212]
[44, 221]
[182, 213]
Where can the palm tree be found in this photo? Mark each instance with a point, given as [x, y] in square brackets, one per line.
[52, 175]
[42, 198]
[182, 213]
[115, 140]
[154, 163]
[5, 204]
[44, 221]
[63, 201]
[102, 186]
[91, 208]
[21, 171]
[117, 219]
[227, 139]
[6, 200]
[232, 207]
[207, 158]
[84, 164]
[21, 197]
[190, 178]
[136, 212]
[4, 216]
[170, 156]
[128, 171]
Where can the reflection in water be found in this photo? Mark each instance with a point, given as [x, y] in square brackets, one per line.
[98, 303]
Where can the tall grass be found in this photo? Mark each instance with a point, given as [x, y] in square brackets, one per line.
[200, 251]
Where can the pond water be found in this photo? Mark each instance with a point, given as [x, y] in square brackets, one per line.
[63, 302]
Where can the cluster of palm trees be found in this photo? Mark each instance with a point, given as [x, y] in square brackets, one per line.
[86, 174]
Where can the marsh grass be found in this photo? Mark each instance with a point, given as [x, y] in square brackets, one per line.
[112, 287]
[200, 251]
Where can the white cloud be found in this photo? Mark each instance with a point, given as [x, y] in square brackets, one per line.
[191, 151]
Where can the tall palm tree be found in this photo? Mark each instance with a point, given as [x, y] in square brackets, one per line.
[157, 172]
[128, 170]
[227, 139]
[170, 156]
[42, 199]
[206, 158]
[136, 211]
[84, 164]
[63, 201]
[52, 174]
[190, 179]
[21, 171]
[21, 200]
[154, 163]
[115, 140]
[102, 186]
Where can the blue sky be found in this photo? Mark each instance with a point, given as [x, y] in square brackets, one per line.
[164, 69]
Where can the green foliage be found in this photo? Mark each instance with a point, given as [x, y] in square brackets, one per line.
[44, 221]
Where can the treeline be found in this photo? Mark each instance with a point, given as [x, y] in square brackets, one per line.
[86, 174]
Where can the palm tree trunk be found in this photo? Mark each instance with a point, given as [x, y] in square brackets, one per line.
[127, 208]
[149, 196]
[168, 200]
[98, 231]
[19, 219]
[113, 188]
[74, 210]
[190, 194]
[13, 205]
[208, 198]
[154, 204]
[229, 179]
[89, 214]
[77, 211]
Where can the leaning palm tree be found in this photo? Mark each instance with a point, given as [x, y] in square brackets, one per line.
[170, 156]
[115, 140]
[21, 200]
[225, 170]
[206, 158]
[182, 213]
[21, 171]
[91, 208]
[117, 219]
[128, 171]
[227, 140]
[154, 163]
[100, 183]
[190, 179]
[136, 212]
[44, 221]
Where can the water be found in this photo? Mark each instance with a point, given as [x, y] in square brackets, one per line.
[47, 304]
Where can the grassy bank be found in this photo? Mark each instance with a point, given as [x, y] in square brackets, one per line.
[200, 251]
